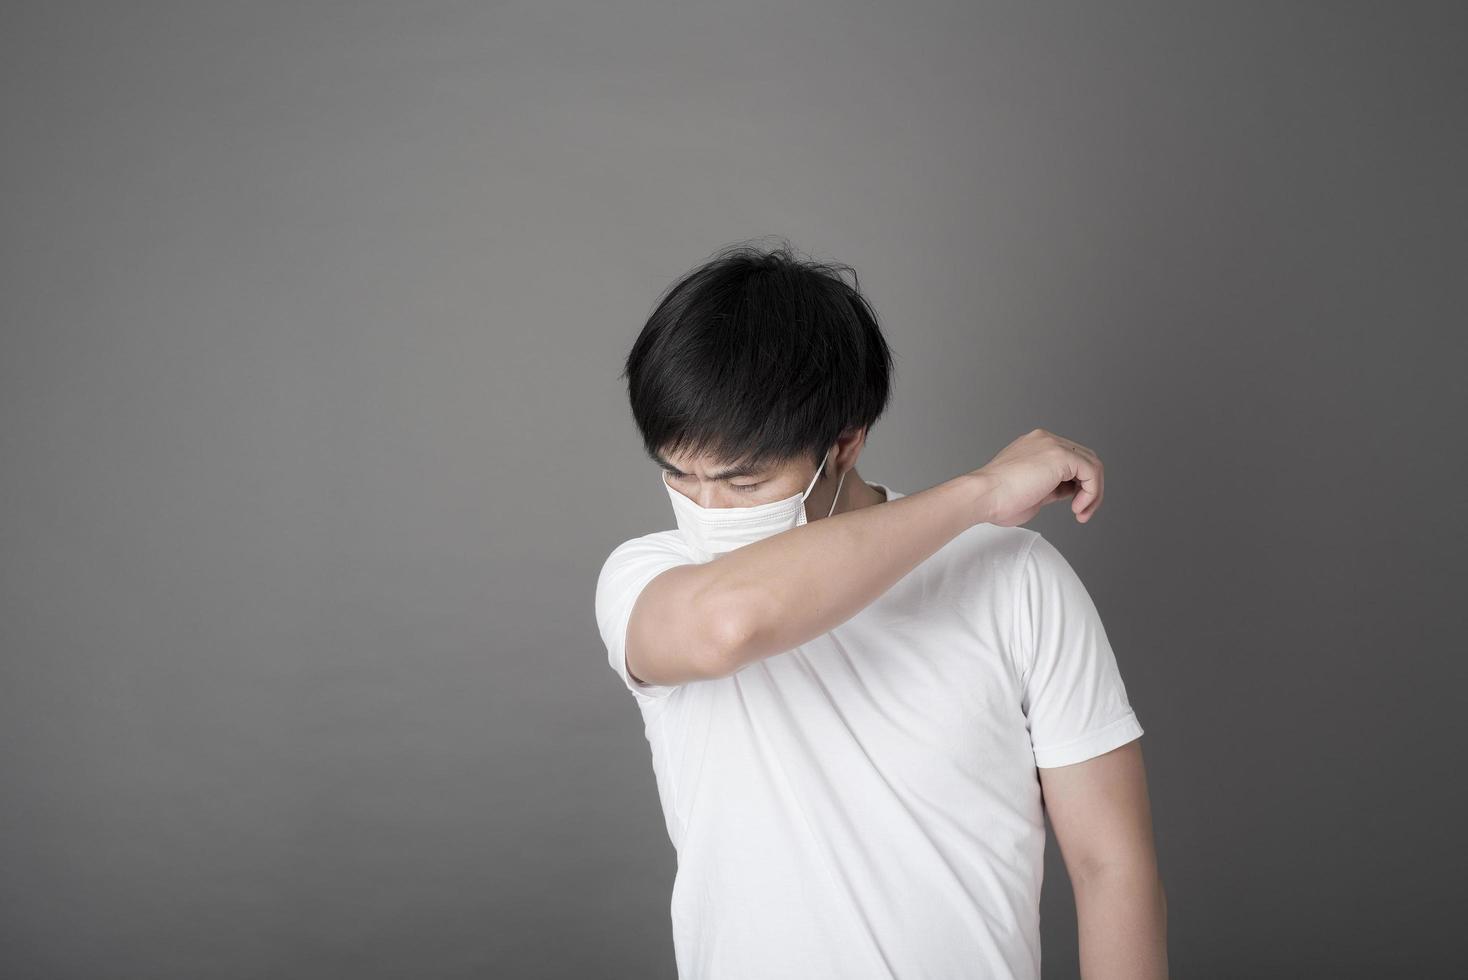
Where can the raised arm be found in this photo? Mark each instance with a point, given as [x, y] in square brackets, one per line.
[712, 619]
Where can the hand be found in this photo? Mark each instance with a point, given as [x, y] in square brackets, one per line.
[1037, 468]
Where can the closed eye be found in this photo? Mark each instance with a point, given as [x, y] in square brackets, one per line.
[741, 487]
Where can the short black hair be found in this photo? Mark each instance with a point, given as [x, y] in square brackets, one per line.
[758, 356]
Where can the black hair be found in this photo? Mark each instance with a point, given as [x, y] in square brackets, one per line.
[758, 356]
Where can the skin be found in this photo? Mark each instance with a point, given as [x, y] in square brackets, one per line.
[709, 620]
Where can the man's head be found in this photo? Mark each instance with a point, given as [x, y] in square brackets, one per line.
[750, 369]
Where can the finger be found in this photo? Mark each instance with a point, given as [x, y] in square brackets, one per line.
[1087, 481]
[1062, 490]
[1088, 476]
[1100, 490]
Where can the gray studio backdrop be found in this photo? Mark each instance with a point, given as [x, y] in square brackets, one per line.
[313, 444]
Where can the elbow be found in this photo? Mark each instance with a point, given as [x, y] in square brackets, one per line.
[728, 630]
[728, 637]
[1107, 873]
[727, 618]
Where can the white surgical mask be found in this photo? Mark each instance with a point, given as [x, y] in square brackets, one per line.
[711, 531]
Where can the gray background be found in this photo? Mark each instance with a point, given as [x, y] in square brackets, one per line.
[313, 444]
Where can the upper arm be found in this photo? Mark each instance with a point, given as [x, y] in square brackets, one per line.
[1073, 698]
[651, 617]
[671, 637]
[1101, 813]
[1083, 730]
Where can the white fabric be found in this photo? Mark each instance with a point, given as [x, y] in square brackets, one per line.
[867, 805]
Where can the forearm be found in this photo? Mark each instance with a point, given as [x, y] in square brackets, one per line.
[1121, 917]
[789, 588]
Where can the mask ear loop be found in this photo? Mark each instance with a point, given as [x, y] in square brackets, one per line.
[839, 483]
[837, 496]
[816, 476]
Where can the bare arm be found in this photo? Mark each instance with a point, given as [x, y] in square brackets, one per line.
[712, 619]
[791, 587]
[1103, 824]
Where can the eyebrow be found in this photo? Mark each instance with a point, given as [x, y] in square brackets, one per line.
[742, 469]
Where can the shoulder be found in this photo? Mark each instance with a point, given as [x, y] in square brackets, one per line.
[990, 549]
[635, 560]
[984, 560]
[1039, 568]
[977, 571]
[648, 547]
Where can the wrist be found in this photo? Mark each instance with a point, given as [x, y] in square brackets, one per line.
[978, 489]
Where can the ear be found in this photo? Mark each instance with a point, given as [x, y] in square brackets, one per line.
[849, 445]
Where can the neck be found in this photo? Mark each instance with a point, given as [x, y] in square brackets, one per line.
[855, 494]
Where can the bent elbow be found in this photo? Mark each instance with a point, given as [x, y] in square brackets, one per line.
[728, 635]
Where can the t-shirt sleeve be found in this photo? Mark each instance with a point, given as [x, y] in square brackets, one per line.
[624, 575]
[1074, 698]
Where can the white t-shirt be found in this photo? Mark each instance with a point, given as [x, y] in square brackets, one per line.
[866, 805]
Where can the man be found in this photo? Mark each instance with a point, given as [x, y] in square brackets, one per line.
[858, 699]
